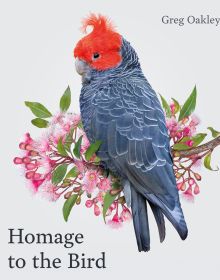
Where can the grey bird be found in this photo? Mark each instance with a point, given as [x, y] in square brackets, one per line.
[120, 108]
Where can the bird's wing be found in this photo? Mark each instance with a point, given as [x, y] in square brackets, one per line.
[129, 119]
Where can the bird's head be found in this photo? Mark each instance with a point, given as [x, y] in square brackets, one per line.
[101, 50]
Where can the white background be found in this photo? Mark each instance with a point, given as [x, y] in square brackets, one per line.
[37, 41]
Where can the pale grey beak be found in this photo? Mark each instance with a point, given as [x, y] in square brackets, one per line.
[84, 70]
[81, 66]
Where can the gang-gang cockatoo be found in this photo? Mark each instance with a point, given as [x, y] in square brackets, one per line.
[120, 108]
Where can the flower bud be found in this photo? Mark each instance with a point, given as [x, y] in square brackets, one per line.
[89, 203]
[178, 175]
[33, 153]
[115, 192]
[197, 176]
[196, 190]
[26, 160]
[77, 189]
[191, 181]
[37, 176]
[97, 211]
[185, 120]
[176, 154]
[179, 185]
[68, 195]
[22, 146]
[29, 175]
[64, 185]
[30, 166]
[179, 135]
[78, 201]
[189, 143]
[183, 187]
[17, 160]
[80, 176]
[28, 147]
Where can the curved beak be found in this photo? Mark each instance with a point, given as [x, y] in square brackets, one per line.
[81, 66]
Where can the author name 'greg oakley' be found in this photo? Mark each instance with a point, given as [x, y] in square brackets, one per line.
[191, 20]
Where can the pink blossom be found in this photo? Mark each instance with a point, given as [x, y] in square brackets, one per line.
[104, 184]
[85, 143]
[57, 135]
[172, 108]
[189, 143]
[35, 184]
[90, 180]
[80, 165]
[47, 163]
[188, 194]
[115, 222]
[48, 190]
[194, 120]
[43, 144]
[75, 119]
[97, 211]
[125, 214]
[57, 119]
[99, 197]
[172, 124]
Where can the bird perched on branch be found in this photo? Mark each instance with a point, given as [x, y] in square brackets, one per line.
[120, 108]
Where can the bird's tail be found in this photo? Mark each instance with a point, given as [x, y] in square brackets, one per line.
[175, 215]
[140, 220]
[159, 209]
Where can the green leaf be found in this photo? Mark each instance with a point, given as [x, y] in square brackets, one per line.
[189, 106]
[207, 162]
[109, 199]
[72, 173]
[38, 109]
[166, 106]
[61, 149]
[41, 123]
[59, 173]
[198, 138]
[214, 132]
[184, 139]
[65, 100]
[69, 140]
[77, 147]
[180, 147]
[80, 125]
[68, 205]
[93, 148]
[177, 105]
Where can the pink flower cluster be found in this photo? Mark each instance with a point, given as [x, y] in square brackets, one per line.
[42, 157]
[186, 128]
[183, 132]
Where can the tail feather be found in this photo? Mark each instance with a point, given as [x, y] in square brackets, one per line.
[140, 220]
[175, 216]
[158, 215]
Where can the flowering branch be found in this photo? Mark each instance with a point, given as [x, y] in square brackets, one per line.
[209, 146]
[186, 147]
[62, 162]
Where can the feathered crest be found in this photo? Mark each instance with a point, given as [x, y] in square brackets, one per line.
[99, 23]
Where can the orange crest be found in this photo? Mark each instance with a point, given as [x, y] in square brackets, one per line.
[100, 48]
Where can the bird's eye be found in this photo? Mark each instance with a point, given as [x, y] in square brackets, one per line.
[96, 55]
